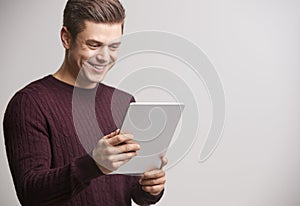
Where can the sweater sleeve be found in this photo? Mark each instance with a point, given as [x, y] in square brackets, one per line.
[141, 197]
[29, 154]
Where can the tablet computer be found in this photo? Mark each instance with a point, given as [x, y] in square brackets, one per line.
[153, 125]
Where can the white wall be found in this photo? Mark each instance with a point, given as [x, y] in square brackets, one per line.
[255, 47]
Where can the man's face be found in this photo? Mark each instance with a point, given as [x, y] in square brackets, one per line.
[94, 52]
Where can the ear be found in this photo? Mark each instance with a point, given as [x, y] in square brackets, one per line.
[65, 37]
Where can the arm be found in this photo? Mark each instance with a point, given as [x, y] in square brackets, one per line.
[29, 155]
[149, 188]
[140, 196]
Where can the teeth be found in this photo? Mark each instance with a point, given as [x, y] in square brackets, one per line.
[98, 67]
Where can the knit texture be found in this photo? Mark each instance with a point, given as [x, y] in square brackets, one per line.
[50, 128]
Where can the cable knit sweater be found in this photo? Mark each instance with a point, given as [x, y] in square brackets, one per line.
[48, 148]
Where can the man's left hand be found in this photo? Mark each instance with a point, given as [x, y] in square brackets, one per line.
[154, 181]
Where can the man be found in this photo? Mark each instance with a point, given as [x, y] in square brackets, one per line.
[56, 159]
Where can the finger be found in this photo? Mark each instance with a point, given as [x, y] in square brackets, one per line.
[124, 132]
[151, 182]
[127, 135]
[122, 157]
[154, 190]
[128, 148]
[118, 164]
[131, 142]
[164, 162]
[118, 139]
[117, 132]
[153, 174]
[114, 133]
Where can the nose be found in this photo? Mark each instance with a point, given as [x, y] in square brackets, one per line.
[103, 55]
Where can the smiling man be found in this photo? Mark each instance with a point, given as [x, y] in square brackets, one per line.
[91, 53]
[49, 163]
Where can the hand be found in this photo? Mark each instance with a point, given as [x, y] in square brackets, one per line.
[114, 150]
[154, 180]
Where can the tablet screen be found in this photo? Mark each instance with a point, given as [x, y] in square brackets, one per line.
[153, 125]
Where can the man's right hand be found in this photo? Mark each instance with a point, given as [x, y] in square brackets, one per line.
[114, 150]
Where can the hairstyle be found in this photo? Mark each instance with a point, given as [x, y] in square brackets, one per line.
[98, 11]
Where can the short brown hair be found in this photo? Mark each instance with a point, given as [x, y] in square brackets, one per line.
[98, 11]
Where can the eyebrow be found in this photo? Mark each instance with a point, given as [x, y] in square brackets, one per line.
[115, 43]
[91, 41]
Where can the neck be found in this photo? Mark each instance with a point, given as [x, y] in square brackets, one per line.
[65, 74]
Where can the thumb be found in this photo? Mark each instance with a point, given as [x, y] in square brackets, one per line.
[164, 161]
[112, 134]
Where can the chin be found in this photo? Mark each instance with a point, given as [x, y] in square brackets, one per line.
[95, 78]
[91, 76]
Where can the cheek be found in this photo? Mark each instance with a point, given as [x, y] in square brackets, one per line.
[87, 54]
[113, 56]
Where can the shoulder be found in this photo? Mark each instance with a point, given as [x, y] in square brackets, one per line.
[28, 94]
[36, 87]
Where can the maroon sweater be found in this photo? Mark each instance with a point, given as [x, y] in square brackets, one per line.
[48, 149]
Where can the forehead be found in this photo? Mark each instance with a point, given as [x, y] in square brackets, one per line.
[105, 33]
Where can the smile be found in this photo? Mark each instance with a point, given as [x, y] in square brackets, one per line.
[98, 67]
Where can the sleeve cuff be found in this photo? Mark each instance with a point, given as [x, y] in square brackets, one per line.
[87, 169]
[144, 198]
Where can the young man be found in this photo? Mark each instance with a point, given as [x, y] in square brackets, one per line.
[49, 161]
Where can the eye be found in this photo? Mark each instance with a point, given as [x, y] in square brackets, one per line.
[114, 46]
[93, 46]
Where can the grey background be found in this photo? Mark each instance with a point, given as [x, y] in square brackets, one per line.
[255, 48]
